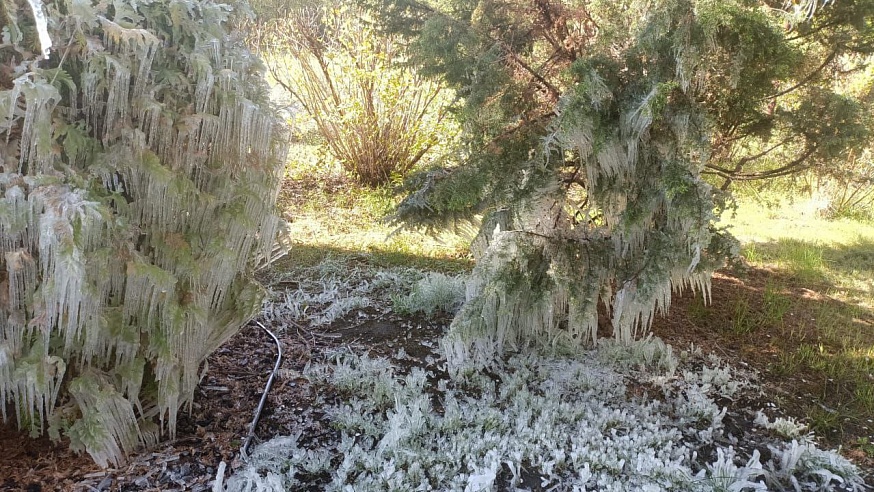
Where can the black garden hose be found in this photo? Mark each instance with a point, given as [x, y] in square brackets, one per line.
[258, 410]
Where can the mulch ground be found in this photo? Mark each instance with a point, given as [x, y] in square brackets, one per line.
[216, 427]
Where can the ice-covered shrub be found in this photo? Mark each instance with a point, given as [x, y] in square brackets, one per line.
[138, 174]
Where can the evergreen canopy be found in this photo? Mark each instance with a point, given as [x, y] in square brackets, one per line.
[589, 129]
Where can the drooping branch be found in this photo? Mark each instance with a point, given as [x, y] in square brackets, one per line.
[808, 78]
[800, 163]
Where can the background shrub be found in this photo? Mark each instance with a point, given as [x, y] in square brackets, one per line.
[376, 116]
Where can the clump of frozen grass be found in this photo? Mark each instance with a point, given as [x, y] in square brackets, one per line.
[321, 305]
[788, 428]
[567, 423]
[357, 376]
[649, 354]
[281, 464]
[332, 289]
[725, 475]
[801, 466]
[718, 378]
[434, 293]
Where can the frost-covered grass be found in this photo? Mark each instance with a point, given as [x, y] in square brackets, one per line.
[558, 423]
[434, 293]
[333, 289]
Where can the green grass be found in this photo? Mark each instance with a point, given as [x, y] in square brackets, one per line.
[813, 250]
[328, 213]
[866, 446]
[820, 301]
[776, 304]
[787, 363]
[743, 320]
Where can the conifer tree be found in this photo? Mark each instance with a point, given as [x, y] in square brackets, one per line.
[139, 168]
[589, 128]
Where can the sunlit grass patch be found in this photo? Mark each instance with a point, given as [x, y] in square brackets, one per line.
[327, 210]
[752, 222]
[819, 301]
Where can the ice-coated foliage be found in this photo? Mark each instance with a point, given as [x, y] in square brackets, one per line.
[536, 422]
[138, 174]
[590, 155]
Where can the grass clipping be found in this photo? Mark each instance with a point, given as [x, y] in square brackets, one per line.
[538, 423]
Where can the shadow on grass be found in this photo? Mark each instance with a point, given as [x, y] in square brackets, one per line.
[811, 261]
[851, 258]
[303, 255]
[816, 352]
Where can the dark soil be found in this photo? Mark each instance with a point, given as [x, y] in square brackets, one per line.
[216, 427]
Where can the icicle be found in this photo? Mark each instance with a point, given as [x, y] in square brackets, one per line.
[149, 118]
[205, 80]
[612, 160]
[245, 114]
[696, 258]
[39, 17]
[21, 275]
[108, 426]
[137, 44]
[146, 289]
[7, 375]
[36, 380]
[40, 99]
[635, 124]
[214, 50]
[117, 99]
[90, 82]
[17, 207]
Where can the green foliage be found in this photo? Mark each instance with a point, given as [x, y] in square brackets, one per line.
[138, 175]
[587, 127]
[377, 117]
